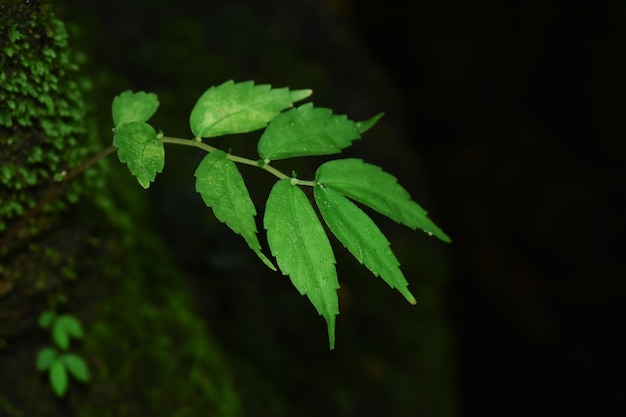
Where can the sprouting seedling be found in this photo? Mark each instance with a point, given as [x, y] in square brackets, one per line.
[56, 359]
[295, 233]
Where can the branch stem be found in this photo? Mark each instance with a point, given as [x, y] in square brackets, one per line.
[259, 164]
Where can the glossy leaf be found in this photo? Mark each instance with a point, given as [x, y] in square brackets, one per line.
[76, 366]
[370, 185]
[222, 188]
[360, 235]
[240, 107]
[133, 107]
[45, 358]
[139, 147]
[64, 327]
[298, 241]
[58, 378]
[306, 131]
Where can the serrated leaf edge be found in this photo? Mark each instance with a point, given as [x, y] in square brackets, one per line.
[321, 194]
[425, 223]
[251, 240]
[205, 132]
[331, 311]
[119, 97]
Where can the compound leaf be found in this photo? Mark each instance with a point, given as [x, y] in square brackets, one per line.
[76, 366]
[239, 107]
[370, 185]
[298, 241]
[360, 235]
[58, 378]
[221, 186]
[133, 107]
[139, 147]
[306, 131]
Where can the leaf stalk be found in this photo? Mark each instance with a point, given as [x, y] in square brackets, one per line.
[208, 148]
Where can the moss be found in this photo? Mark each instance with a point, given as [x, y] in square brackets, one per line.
[42, 110]
[149, 352]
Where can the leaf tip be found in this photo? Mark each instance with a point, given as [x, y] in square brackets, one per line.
[365, 125]
[439, 234]
[409, 297]
[266, 260]
[144, 183]
[297, 95]
[330, 322]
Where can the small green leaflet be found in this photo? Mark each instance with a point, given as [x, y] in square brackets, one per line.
[366, 125]
[46, 318]
[370, 185]
[360, 235]
[222, 188]
[138, 146]
[58, 367]
[76, 366]
[306, 131]
[239, 107]
[45, 358]
[58, 378]
[133, 107]
[298, 241]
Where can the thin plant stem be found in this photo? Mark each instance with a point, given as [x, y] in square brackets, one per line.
[259, 164]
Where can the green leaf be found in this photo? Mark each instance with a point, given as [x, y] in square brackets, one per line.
[298, 241]
[76, 366]
[58, 378]
[360, 235]
[64, 327]
[366, 125]
[46, 318]
[222, 188]
[239, 107]
[370, 185]
[133, 107]
[45, 358]
[139, 147]
[306, 131]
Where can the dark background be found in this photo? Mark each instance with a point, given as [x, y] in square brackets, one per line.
[518, 112]
[515, 116]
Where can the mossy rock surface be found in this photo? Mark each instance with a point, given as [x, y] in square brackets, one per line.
[147, 351]
[42, 110]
